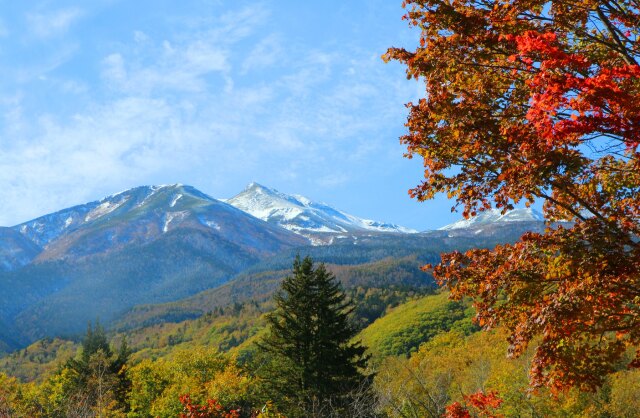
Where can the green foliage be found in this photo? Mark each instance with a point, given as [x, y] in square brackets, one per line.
[404, 328]
[310, 359]
[225, 329]
[94, 341]
[8, 395]
[96, 380]
[39, 359]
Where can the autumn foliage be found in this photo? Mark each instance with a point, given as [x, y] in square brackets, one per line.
[480, 404]
[538, 100]
[210, 409]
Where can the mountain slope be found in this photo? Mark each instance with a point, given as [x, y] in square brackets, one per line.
[303, 216]
[405, 327]
[260, 285]
[143, 214]
[181, 263]
[145, 245]
[16, 250]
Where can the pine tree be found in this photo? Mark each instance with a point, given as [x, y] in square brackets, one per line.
[312, 361]
[94, 342]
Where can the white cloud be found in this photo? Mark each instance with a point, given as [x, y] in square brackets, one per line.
[113, 69]
[140, 37]
[179, 109]
[265, 54]
[189, 62]
[49, 24]
[182, 67]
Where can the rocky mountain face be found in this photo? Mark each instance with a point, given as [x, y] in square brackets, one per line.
[317, 221]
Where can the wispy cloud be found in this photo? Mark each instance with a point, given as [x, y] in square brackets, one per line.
[212, 100]
[267, 53]
[181, 66]
[186, 62]
[52, 23]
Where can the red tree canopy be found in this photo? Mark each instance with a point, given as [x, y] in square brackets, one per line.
[538, 100]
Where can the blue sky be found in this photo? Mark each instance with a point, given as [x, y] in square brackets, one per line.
[103, 95]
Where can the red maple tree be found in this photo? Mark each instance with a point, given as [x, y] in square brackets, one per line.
[531, 100]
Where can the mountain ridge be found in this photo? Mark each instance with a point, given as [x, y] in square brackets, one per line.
[304, 216]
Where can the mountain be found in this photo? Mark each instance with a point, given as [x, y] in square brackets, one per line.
[303, 216]
[141, 215]
[494, 217]
[160, 244]
[379, 260]
[16, 250]
[149, 244]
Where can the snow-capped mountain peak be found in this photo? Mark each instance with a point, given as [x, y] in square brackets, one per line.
[495, 216]
[302, 215]
[142, 215]
[137, 202]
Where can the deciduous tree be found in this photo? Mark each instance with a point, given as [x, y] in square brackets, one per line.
[531, 100]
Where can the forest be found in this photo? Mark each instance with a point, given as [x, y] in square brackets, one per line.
[424, 354]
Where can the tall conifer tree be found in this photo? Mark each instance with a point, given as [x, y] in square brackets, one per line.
[99, 382]
[313, 361]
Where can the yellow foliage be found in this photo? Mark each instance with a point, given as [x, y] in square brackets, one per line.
[451, 365]
[203, 373]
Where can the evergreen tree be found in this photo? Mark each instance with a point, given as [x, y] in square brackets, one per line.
[98, 376]
[312, 362]
[94, 341]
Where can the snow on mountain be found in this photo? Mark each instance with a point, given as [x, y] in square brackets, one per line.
[302, 215]
[48, 228]
[494, 216]
[142, 214]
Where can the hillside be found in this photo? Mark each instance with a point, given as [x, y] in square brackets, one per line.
[390, 274]
[212, 319]
[403, 328]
